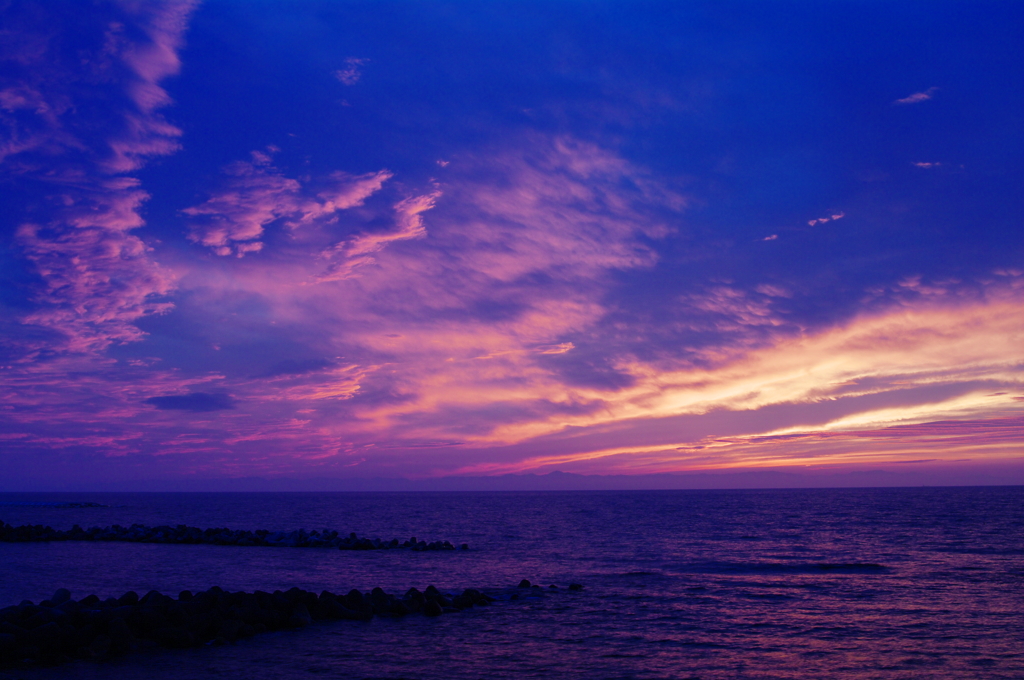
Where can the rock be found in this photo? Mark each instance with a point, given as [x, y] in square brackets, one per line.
[174, 637]
[8, 646]
[354, 600]
[121, 638]
[151, 597]
[47, 638]
[61, 596]
[229, 628]
[524, 583]
[300, 617]
[553, 587]
[129, 598]
[96, 630]
[414, 599]
[362, 615]
[139, 533]
[147, 618]
[7, 628]
[40, 618]
[100, 647]
[575, 586]
[330, 609]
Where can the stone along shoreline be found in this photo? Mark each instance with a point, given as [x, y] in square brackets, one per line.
[61, 629]
[140, 533]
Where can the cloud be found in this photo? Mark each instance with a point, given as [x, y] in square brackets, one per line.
[465, 297]
[98, 280]
[903, 369]
[917, 97]
[829, 218]
[57, 102]
[927, 165]
[74, 122]
[297, 367]
[351, 73]
[256, 194]
[346, 256]
[198, 402]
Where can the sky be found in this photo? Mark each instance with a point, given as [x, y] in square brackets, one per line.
[420, 240]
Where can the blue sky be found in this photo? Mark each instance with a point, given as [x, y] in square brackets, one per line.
[368, 239]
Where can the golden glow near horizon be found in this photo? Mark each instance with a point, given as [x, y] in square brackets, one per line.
[902, 353]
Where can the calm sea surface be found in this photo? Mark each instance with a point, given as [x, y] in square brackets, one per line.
[679, 584]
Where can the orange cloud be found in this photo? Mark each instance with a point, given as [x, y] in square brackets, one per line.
[877, 377]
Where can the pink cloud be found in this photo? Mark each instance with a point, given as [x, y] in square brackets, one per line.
[358, 250]
[440, 324]
[351, 73]
[407, 321]
[829, 218]
[917, 97]
[144, 132]
[256, 194]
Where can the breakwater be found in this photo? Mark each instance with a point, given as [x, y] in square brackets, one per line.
[139, 533]
[61, 629]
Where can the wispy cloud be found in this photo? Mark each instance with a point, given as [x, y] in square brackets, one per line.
[75, 125]
[352, 71]
[346, 256]
[448, 324]
[828, 218]
[917, 97]
[256, 194]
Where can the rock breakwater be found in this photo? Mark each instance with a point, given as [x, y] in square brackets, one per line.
[139, 533]
[62, 629]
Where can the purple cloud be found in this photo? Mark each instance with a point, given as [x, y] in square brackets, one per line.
[198, 402]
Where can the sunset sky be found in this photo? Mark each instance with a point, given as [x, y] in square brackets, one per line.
[335, 240]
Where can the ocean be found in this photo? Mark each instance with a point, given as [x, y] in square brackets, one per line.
[810, 583]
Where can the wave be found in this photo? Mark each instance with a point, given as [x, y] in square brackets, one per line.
[784, 568]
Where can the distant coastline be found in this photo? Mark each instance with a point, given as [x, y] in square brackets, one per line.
[951, 476]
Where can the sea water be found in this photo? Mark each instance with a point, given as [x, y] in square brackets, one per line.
[830, 583]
